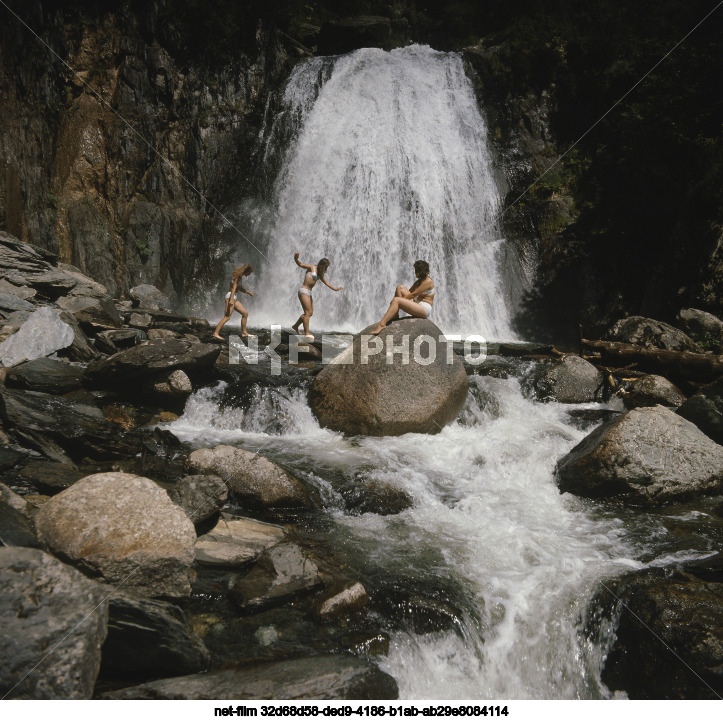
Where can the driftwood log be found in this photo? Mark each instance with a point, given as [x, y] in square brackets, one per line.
[675, 365]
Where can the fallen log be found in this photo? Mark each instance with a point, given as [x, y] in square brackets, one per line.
[677, 366]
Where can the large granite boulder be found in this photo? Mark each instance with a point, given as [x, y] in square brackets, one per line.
[40, 335]
[572, 380]
[652, 390]
[333, 677]
[150, 638]
[651, 334]
[236, 541]
[668, 641]
[705, 409]
[148, 296]
[52, 625]
[647, 456]
[371, 389]
[124, 529]
[152, 358]
[253, 479]
[700, 323]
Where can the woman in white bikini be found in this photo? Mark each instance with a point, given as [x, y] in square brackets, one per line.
[417, 300]
[313, 273]
[232, 302]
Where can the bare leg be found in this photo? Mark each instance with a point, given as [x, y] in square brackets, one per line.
[226, 318]
[244, 317]
[397, 304]
[308, 304]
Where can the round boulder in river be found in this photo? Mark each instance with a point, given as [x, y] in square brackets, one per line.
[652, 390]
[125, 529]
[648, 456]
[405, 380]
[651, 334]
[572, 380]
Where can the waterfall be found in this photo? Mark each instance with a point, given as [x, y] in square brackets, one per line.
[384, 160]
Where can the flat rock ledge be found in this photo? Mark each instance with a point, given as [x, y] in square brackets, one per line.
[236, 541]
[125, 530]
[52, 625]
[334, 677]
[646, 456]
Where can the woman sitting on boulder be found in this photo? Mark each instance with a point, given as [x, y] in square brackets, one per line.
[416, 301]
[313, 273]
[232, 302]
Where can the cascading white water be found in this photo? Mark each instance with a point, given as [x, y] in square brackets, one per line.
[387, 163]
[487, 511]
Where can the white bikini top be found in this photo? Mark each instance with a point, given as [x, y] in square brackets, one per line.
[314, 275]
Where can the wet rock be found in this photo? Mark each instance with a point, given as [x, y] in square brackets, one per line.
[92, 313]
[9, 303]
[40, 335]
[647, 456]
[349, 601]
[705, 409]
[333, 677]
[46, 376]
[651, 334]
[53, 623]
[141, 532]
[61, 428]
[112, 341]
[50, 477]
[654, 390]
[173, 383]
[236, 541]
[662, 609]
[386, 393]
[255, 480]
[15, 529]
[700, 323]
[365, 31]
[155, 333]
[151, 358]
[80, 350]
[572, 380]
[281, 573]
[375, 496]
[84, 285]
[150, 638]
[199, 496]
[9, 458]
[148, 296]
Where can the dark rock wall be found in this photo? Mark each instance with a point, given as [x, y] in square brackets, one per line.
[91, 184]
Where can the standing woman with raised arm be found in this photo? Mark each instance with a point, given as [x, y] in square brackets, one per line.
[232, 302]
[313, 273]
[417, 300]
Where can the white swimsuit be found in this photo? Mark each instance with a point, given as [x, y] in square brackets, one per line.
[427, 306]
[304, 290]
[228, 295]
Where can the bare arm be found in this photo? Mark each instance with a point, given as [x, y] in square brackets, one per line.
[243, 290]
[329, 285]
[412, 291]
[420, 287]
[302, 265]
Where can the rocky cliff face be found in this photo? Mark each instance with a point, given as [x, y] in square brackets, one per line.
[83, 154]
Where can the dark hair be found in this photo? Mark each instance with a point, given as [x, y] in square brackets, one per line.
[321, 267]
[421, 266]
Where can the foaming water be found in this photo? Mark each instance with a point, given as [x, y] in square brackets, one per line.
[486, 514]
[387, 162]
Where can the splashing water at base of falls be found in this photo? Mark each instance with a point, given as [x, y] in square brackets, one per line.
[486, 514]
[387, 163]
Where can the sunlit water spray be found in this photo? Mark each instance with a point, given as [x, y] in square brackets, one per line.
[386, 162]
[486, 512]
